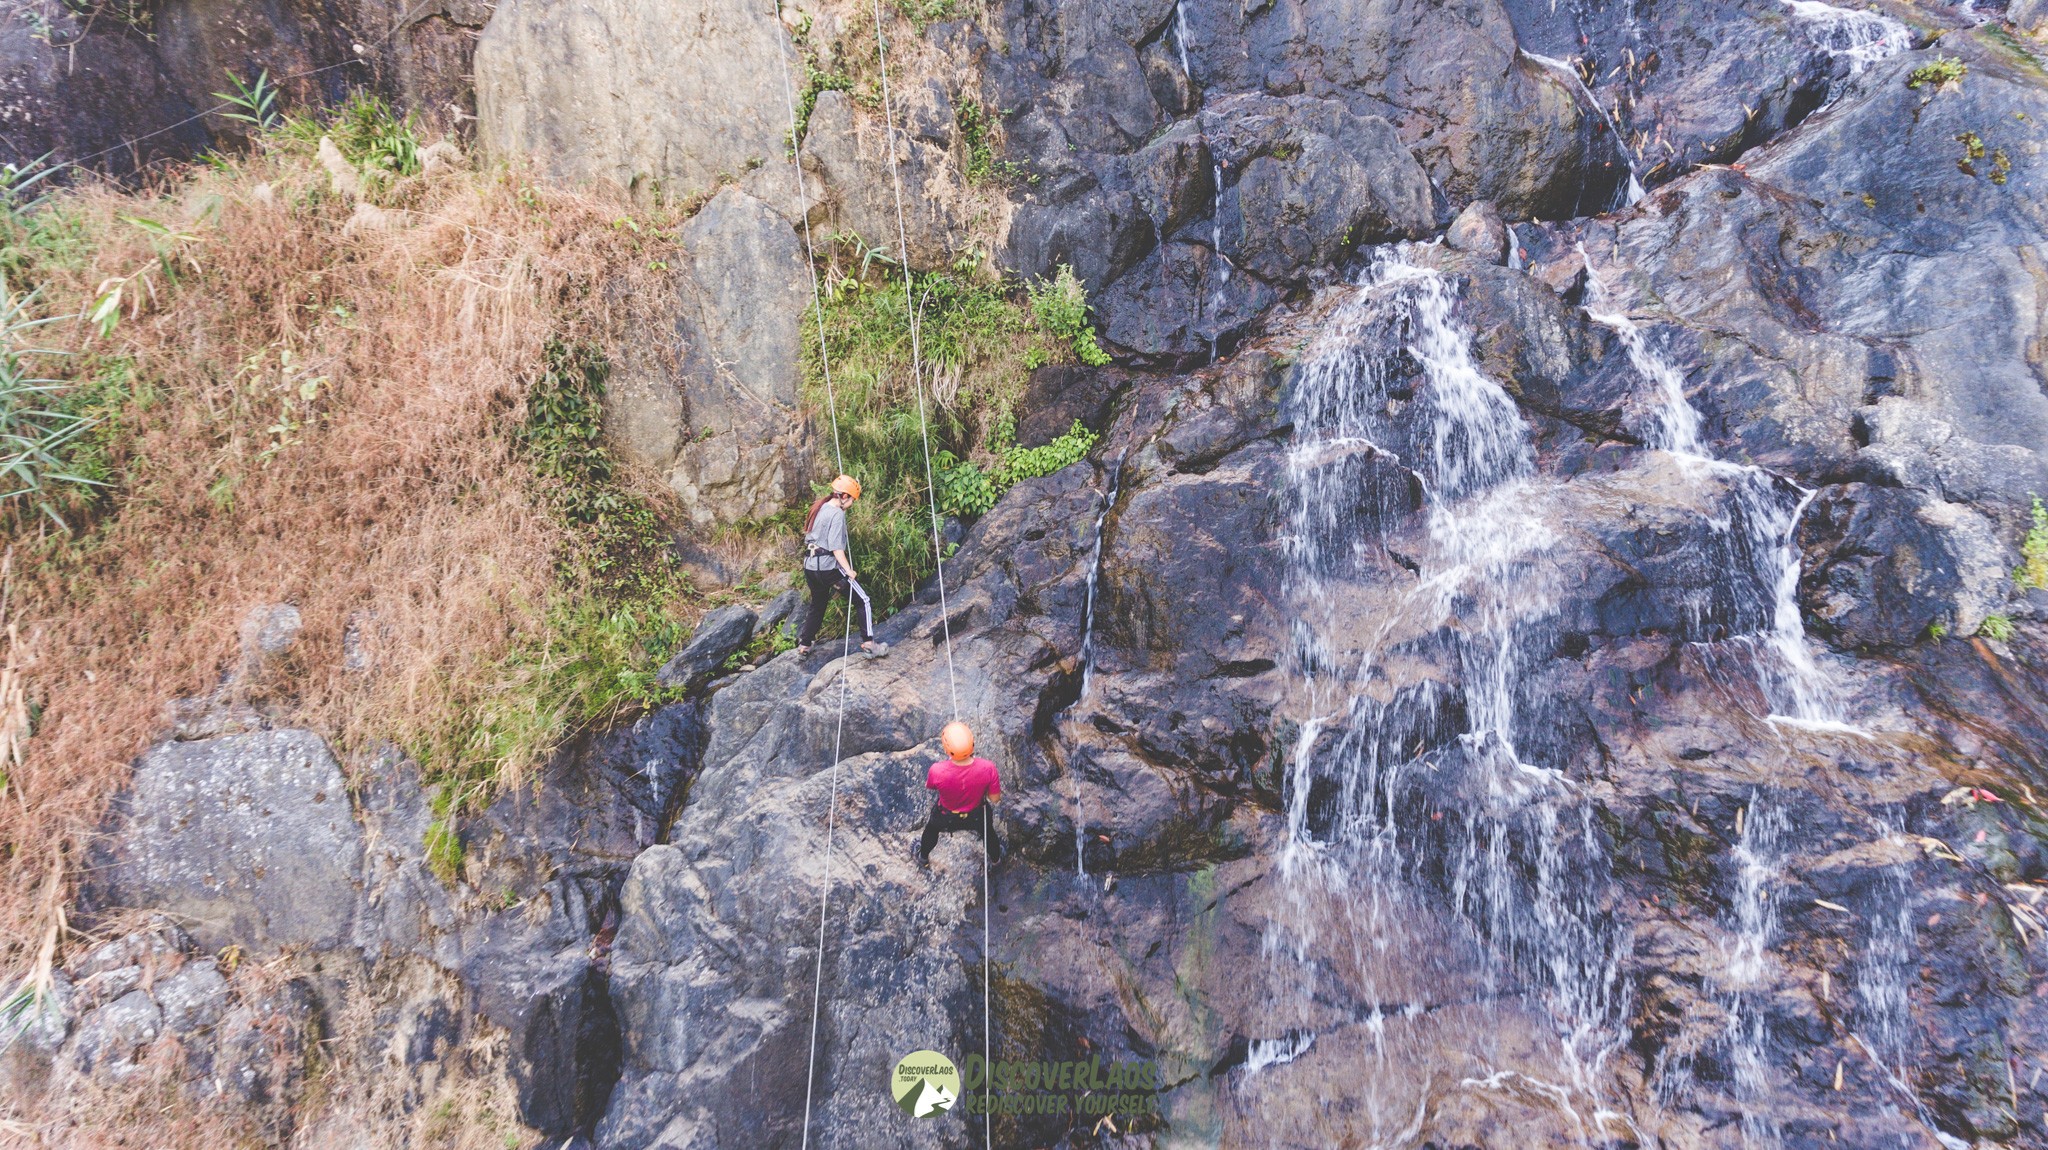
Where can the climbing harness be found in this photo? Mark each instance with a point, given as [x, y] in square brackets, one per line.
[938, 553]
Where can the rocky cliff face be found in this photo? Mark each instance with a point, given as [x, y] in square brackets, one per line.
[1563, 685]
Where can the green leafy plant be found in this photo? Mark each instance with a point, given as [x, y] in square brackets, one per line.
[1997, 628]
[1940, 73]
[254, 104]
[382, 144]
[968, 491]
[2032, 572]
[1937, 630]
[611, 621]
[172, 256]
[972, 339]
[817, 82]
[977, 145]
[37, 435]
[1060, 305]
[923, 13]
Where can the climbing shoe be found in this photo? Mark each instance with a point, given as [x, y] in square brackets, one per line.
[917, 855]
[874, 650]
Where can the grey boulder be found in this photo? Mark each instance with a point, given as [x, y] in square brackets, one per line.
[717, 636]
[248, 839]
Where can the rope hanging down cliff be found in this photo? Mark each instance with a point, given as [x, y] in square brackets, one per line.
[846, 636]
[938, 553]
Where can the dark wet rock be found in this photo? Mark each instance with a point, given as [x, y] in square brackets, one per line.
[1886, 567]
[721, 632]
[1697, 82]
[1101, 234]
[1059, 395]
[1304, 180]
[250, 838]
[1174, 177]
[1182, 301]
[783, 607]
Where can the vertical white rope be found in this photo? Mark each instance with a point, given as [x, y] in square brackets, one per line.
[846, 635]
[910, 312]
[938, 556]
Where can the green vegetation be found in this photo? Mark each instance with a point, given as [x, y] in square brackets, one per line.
[39, 436]
[924, 13]
[2032, 573]
[383, 145]
[610, 619]
[977, 142]
[1937, 630]
[763, 647]
[1997, 628]
[1061, 308]
[254, 104]
[816, 82]
[976, 342]
[968, 490]
[1943, 71]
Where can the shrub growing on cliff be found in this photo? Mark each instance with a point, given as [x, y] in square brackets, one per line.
[2033, 568]
[968, 490]
[1940, 73]
[1061, 305]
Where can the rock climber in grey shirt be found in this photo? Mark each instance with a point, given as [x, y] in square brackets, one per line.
[827, 570]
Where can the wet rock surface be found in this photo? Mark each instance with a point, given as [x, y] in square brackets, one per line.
[1563, 686]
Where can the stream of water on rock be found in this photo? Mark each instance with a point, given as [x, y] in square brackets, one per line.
[1862, 38]
[1424, 777]
[1630, 192]
[1088, 654]
[1416, 767]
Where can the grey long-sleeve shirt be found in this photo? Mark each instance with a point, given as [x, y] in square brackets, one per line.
[828, 534]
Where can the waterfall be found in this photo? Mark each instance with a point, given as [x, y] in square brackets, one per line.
[1745, 983]
[1180, 41]
[1219, 260]
[1633, 190]
[1859, 37]
[1421, 763]
[1515, 261]
[1088, 654]
[1766, 513]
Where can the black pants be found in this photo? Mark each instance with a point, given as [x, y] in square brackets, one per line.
[943, 821]
[824, 585]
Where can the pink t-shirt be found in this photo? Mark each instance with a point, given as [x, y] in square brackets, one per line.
[961, 785]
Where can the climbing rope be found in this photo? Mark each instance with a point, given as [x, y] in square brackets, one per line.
[846, 635]
[938, 553]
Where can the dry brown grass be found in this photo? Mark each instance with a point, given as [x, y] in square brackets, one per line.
[397, 502]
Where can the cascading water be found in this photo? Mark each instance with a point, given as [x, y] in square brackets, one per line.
[1744, 979]
[1218, 259]
[1180, 42]
[1632, 191]
[1413, 768]
[1088, 654]
[1765, 511]
[1858, 37]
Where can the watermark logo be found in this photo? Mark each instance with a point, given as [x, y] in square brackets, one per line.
[925, 1083]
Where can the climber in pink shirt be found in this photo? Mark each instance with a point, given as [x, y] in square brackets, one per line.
[965, 786]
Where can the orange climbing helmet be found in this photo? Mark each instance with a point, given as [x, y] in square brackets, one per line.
[958, 740]
[846, 485]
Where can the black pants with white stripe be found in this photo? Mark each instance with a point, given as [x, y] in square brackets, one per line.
[824, 585]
